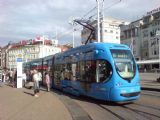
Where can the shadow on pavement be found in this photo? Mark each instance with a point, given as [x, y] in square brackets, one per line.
[28, 93]
[10, 85]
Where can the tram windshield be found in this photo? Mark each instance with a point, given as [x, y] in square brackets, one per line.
[124, 63]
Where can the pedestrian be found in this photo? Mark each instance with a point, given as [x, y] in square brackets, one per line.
[40, 78]
[10, 76]
[24, 79]
[15, 79]
[36, 83]
[4, 76]
[47, 80]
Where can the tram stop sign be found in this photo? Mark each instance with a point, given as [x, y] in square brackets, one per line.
[19, 58]
[19, 61]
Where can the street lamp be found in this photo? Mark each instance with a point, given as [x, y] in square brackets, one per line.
[73, 35]
[71, 22]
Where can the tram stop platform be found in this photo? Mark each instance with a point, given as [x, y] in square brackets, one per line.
[149, 81]
[20, 104]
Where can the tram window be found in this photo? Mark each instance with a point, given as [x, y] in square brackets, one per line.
[67, 71]
[77, 74]
[87, 71]
[91, 71]
[105, 70]
[57, 74]
[82, 70]
[73, 75]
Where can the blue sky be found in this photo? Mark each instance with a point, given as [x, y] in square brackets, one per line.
[26, 19]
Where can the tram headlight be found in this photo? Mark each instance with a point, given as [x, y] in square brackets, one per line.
[119, 84]
[96, 52]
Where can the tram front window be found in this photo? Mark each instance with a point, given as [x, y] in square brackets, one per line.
[124, 63]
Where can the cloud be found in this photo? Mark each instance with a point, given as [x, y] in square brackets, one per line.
[131, 9]
[25, 19]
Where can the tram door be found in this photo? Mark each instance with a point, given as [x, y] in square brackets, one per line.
[57, 75]
[89, 75]
[96, 72]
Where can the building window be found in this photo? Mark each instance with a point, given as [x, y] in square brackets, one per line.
[155, 52]
[134, 42]
[129, 33]
[145, 34]
[125, 34]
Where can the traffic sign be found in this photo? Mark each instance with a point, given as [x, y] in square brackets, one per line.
[19, 60]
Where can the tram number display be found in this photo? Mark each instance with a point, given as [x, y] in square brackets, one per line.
[120, 55]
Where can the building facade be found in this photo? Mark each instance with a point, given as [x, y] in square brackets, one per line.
[29, 50]
[109, 31]
[131, 36]
[143, 36]
[4, 56]
[151, 25]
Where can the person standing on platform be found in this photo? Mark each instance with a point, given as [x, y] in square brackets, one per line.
[10, 76]
[47, 79]
[40, 78]
[36, 83]
[15, 79]
[4, 76]
[24, 79]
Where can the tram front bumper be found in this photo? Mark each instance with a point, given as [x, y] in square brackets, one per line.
[118, 94]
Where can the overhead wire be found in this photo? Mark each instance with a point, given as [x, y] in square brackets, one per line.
[71, 29]
[85, 15]
[108, 7]
[89, 12]
[63, 34]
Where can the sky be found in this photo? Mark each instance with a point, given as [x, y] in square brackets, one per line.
[27, 19]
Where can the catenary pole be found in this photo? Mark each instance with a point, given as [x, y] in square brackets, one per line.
[98, 26]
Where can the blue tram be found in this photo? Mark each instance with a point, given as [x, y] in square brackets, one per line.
[41, 65]
[99, 70]
[102, 71]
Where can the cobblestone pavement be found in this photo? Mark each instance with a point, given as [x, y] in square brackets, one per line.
[20, 104]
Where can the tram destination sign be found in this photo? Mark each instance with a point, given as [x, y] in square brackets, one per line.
[120, 55]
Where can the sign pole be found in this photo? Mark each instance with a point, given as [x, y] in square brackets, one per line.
[19, 71]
